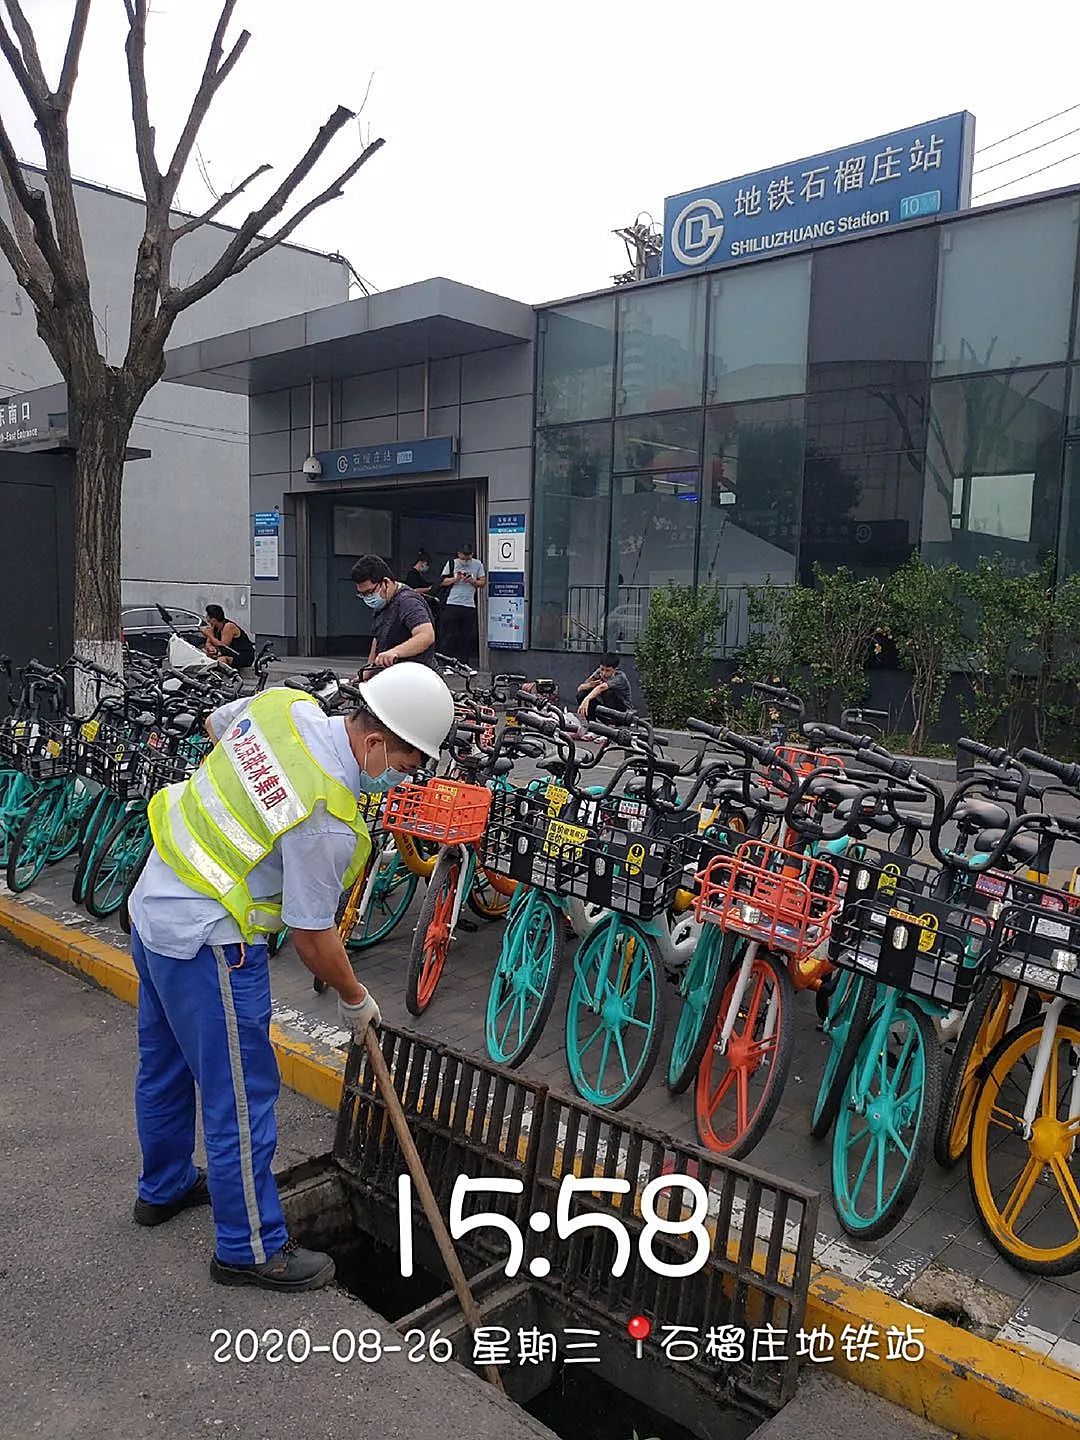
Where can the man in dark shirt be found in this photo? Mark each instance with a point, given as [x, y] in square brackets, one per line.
[607, 685]
[402, 620]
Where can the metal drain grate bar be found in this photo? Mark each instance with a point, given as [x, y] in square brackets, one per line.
[469, 1117]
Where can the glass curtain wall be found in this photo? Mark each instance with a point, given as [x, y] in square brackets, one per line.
[844, 407]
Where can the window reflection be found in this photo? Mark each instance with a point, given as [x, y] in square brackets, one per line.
[654, 532]
[753, 484]
[572, 503]
[1005, 289]
[757, 331]
[577, 347]
[993, 468]
[661, 348]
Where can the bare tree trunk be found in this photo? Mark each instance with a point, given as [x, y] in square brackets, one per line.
[102, 430]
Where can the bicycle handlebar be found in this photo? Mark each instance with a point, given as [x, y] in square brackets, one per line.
[992, 754]
[781, 696]
[1068, 773]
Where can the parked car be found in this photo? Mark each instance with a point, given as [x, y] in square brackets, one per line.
[150, 627]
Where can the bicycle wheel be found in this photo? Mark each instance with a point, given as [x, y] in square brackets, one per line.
[16, 793]
[739, 1087]
[701, 987]
[486, 899]
[391, 895]
[845, 1025]
[431, 939]
[984, 1025]
[888, 1126]
[1027, 1191]
[119, 857]
[67, 837]
[29, 849]
[133, 880]
[525, 979]
[99, 820]
[617, 999]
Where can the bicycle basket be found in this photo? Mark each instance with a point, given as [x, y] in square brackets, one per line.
[634, 873]
[43, 749]
[524, 842]
[443, 811]
[779, 897]
[1036, 940]
[935, 948]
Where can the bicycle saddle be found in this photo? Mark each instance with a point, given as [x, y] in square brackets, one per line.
[1021, 847]
[984, 814]
[502, 766]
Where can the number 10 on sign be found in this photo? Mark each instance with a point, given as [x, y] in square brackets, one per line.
[688, 1226]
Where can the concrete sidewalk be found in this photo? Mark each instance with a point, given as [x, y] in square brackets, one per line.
[105, 1328]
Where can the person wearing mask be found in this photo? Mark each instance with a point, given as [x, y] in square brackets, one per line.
[608, 685]
[403, 626]
[267, 832]
[462, 577]
[419, 577]
[226, 642]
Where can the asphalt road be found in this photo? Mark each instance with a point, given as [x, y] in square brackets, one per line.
[104, 1327]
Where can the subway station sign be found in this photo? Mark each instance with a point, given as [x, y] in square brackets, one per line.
[842, 194]
[406, 457]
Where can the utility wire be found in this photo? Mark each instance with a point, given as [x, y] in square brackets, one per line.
[1030, 151]
[1006, 183]
[995, 143]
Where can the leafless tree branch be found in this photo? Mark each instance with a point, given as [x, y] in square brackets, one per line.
[204, 219]
[215, 72]
[72, 53]
[25, 60]
[332, 192]
[135, 48]
[226, 263]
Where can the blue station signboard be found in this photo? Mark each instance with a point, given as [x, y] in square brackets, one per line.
[842, 194]
[405, 457]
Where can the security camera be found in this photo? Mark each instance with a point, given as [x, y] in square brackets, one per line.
[312, 467]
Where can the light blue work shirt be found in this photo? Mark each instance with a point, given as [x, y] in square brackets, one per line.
[306, 866]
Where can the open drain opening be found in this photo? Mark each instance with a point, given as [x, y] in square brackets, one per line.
[581, 1405]
[618, 1398]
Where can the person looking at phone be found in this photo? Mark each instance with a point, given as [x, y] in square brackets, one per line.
[462, 577]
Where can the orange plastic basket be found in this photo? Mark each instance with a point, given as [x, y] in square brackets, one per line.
[779, 897]
[443, 811]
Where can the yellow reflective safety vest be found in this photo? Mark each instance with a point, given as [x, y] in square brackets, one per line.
[258, 782]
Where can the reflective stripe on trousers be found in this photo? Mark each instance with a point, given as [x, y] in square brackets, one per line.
[203, 1022]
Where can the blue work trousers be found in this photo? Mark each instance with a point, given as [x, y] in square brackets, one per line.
[205, 1022]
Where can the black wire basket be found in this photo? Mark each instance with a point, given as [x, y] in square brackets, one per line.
[43, 749]
[527, 839]
[1036, 940]
[934, 948]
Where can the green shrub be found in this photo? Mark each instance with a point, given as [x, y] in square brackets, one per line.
[926, 621]
[675, 650]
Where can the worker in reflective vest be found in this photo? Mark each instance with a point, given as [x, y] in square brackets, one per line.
[267, 833]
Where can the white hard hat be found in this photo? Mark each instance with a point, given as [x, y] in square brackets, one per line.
[413, 702]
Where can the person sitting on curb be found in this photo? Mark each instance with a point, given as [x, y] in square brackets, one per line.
[608, 685]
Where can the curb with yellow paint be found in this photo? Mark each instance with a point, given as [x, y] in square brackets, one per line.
[979, 1389]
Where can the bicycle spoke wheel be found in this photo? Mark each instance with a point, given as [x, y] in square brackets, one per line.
[984, 1025]
[16, 793]
[1027, 1191]
[739, 1085]
[392, 894]
[119, 857]
[845, 1025]
[701, 987]
[33, 840]
[615, 1014]
[486, 899]
[525, 980]
[100, 819]
[431, 941]
[884, 1131]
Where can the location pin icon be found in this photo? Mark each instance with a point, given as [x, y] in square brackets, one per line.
[638, 1328]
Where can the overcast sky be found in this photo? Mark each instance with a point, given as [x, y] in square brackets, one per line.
[519, 136]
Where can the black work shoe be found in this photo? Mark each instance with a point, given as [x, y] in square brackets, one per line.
[147, 1214]
[292, 1268]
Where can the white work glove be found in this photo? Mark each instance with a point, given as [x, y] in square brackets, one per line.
[358, 1017]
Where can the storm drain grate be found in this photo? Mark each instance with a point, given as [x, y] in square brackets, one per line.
[752, 1262]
